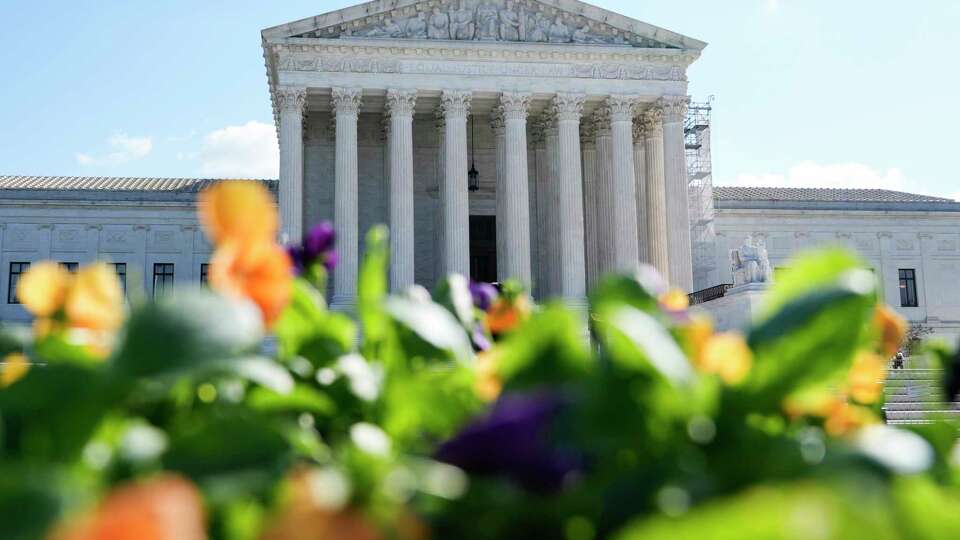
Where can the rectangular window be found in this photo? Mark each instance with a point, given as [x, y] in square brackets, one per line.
[16, 270]
[121, 270]
[204, 268]
[908, 287]
[162, 277]
[71, 267]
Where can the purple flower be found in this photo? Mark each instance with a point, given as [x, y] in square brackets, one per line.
[480, 340]
[515, 440]
[296, 257]
[483, 294]
[319, 240]
[330, 260]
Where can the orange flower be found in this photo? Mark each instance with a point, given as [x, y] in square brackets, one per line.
[261, 271]
[488, 384]
[505, 314]
[865, 380]
[844, 418]
[892, 327]
[15, 367]
[95, 300]
[165, 508]
[675, 300]
[728, 356]
[240, 210]
[43, 288]
[697, 334]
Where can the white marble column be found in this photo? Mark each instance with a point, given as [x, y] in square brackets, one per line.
[640, 167]
[605, 195]
[567, 110]
[676, 183]
[624, 179]
[541, 286]
[513, 203]
[439, 261]
[499, 128]
[453, 189]
[291, 102]
[551, 138]
[656, 192]
[400, 104]
[346, 108]
[588, 144]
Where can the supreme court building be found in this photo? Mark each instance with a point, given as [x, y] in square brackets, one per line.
[538, 140]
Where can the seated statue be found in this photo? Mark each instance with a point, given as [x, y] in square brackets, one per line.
[750, 263]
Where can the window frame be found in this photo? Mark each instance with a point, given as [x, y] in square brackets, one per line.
[160, 271]
[121, 275]
[70, 266]
[22, 267]
[907, 283]
[204, 273]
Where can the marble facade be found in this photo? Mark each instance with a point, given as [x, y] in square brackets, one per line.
[572, 114]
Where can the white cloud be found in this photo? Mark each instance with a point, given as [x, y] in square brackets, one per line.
[955, 196]
[839, 175]
[771, 5]
[124, 150]
[247, 151]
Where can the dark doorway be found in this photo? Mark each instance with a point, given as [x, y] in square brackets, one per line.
[483, 248]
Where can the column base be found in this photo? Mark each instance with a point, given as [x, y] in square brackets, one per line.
[344, 304]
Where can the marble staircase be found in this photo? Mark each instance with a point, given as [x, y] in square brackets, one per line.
[913, 396]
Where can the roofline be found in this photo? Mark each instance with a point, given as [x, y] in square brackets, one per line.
[591, 11]
[863, 206]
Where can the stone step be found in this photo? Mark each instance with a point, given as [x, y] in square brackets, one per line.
[922, 415]
[919, 406]
[927, 374]
[908, 382]
[907, 398]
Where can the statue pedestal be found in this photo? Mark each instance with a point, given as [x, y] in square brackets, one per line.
[737, 308]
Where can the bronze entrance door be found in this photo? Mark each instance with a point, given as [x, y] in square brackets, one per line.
[483, 248]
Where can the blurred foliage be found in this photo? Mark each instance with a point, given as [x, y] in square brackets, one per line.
[624, 422]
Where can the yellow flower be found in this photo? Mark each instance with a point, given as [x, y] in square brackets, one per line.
[675, 300]
[865, 380]
[892, 327]
[728, 356]
[505, 314]
[43, 288]
[15, 366]
[488, 384]
[239, 210]
[844, 418]
[95, 300]
[697, 334]
[261, 271]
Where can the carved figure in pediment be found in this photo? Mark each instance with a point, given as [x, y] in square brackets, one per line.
[585, 34]
[538, 27]
[509, 23]
[462, 22]
[417, 26]
[389, 28]
[439, 27]
[559, 32]
[488, 19]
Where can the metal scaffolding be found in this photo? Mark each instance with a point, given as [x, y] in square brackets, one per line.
[696, 130]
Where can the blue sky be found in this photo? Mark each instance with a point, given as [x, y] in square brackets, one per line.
[848, 93]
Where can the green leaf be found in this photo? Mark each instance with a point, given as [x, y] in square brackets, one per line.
[33, 499]
[186, 331]
[14, 338]
[307, 329]
[637, 341]
[549, 348]
[433, 326]
[301, 399]
[372, 288]
[623, 290]
[453, 293]
[263, 371]
[807, 271]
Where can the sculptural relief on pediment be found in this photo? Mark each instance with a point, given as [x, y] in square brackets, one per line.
[486, 20]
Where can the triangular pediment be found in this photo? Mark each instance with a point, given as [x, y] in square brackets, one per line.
[520, 21]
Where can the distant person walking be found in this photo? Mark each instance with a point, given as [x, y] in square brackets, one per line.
[898, 361]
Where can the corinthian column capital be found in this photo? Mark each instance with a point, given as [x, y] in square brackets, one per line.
[620, 107]
[401, 102]
[653, 122]
[514, 105]
[497, 121]
[674, 108]
[291, 98]
[639, 129]
[347, 100]
[588, 131]
[456, 103]
[567, 106]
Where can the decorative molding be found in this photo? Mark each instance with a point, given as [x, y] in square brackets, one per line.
[653, 122]
[884, 235]
[567, 107]
[497, 121]
[925, 236]
[346, 100]
[291, 98]
[470, 63]
[456, 103]
[94, 227]
[485, 20]
[515, 105]
[401, 102]
[639, 130]
[620, 107]
[674, 108]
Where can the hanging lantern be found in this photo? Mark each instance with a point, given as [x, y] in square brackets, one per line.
[473, 176]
